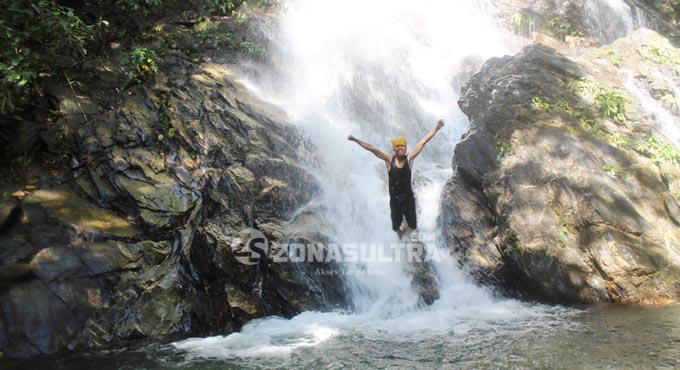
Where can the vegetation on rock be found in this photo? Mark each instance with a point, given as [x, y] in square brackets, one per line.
[40, 37]
[47, 38]
[564, 188]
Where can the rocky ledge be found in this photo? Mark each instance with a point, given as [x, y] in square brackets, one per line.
[141, 237]
[564, 187]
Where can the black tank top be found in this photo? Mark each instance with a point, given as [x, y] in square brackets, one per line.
[400, 181]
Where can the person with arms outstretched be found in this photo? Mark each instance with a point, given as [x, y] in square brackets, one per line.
[399, 165]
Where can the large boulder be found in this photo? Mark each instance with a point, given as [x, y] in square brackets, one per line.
[564, 188]
[143, 239]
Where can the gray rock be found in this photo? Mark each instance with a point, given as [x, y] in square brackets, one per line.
[142, 245]
[551, 198]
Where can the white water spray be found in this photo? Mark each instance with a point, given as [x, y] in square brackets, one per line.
[376, 70]
[664, 121]
[611, 19]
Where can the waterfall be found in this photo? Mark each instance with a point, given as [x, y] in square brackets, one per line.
[609, 20]
[612, 19]
[664, 120]
[376, 70]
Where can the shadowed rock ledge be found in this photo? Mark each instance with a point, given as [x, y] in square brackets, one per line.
[140, 238]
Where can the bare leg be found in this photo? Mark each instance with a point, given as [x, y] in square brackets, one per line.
[402, 230]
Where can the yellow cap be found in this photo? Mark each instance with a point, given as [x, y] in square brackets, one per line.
[399, 140]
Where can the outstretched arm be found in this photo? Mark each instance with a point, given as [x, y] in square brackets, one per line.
[414, 153]
[377, 152]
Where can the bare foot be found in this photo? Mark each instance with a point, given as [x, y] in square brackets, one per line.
[402, 230]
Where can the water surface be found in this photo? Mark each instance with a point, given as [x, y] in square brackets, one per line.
[512, 336]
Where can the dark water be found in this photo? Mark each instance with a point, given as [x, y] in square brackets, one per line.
[605, 337]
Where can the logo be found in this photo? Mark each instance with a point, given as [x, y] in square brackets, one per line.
[250, 245]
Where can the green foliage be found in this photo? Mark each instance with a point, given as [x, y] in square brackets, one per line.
[585, 118]
[41, 38]
[541, 103]
[610, 102]
[669, 153]
[609, 170]
[36, 35]
[605, 102]
[516, 19]
[143, 7]
[163, 118]
[144, 63]
[654, 150]
[647, 147]
[564, 105]
[254, 49]
[674, 10]
[561, 29]
[661, 52]
[582, 84]
[614, 59]
[564, 231]
[612, 105]
[230, 7]
[239, 16]
[502, 146]
[522, 25]
[215, 35]
[670, 8]
[669, 99]
[223, 6]
[621, 141]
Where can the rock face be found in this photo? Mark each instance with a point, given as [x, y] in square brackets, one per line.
[143, 239]
[563, 187]
[585, 20]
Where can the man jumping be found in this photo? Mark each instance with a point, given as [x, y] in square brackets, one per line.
[399, 165]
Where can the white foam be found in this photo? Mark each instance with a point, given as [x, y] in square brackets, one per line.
[475, 320]
[376, 69]
[264, 337]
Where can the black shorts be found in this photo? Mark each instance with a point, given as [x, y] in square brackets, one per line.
[403, 208]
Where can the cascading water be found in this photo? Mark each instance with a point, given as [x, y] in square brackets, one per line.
[612, 19]
[609, 20]
[665, 122]
[377, 70]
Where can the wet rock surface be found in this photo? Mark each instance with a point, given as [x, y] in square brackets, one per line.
[140, 238]
[139, 235]
[555, 197]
